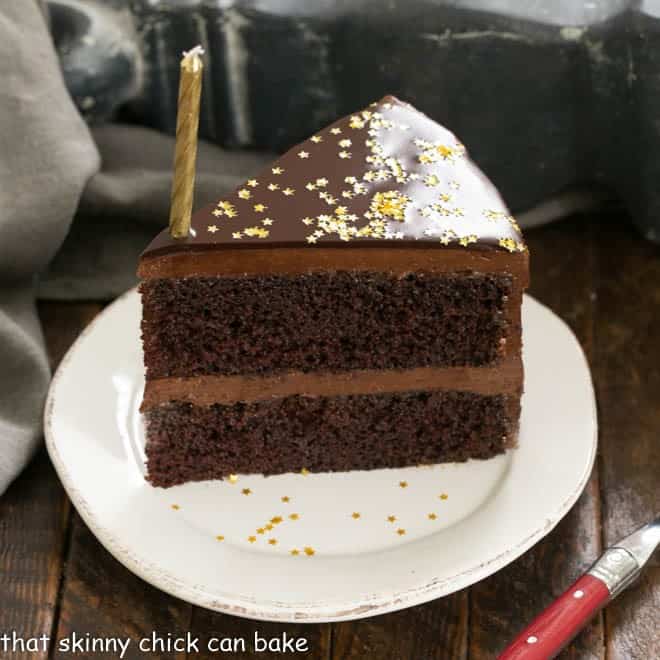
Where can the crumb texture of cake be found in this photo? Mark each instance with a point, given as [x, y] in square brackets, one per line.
[356, 305]
[342, 321]
[193, 443]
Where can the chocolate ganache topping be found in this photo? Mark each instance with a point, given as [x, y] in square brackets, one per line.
[386, 175]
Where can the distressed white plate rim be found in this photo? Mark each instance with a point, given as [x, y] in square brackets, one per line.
[495, 510]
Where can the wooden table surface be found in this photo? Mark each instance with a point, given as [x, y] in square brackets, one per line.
[604, 281]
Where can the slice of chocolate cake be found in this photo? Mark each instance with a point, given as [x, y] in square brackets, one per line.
[354, 306]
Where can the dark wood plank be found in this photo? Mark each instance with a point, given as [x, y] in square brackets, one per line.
[99, 597]
[435, 631]
[34, 515]
[562, 278]
[33, 523]
[206, 624]
[102, 599]
[628, 382]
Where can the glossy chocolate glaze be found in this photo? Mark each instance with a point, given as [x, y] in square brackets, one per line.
[385, 177]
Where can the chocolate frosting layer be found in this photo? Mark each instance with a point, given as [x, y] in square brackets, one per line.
[388, 175]
[294, 261]
[506, 378]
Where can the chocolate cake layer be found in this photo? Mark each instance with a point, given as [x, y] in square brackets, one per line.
[322, 434]
[330, 321]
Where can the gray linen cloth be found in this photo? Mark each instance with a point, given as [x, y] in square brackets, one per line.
[117, 179]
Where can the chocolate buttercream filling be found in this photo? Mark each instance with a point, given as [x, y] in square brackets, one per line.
[504, 378]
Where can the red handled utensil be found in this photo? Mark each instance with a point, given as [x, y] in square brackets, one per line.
[615, 570]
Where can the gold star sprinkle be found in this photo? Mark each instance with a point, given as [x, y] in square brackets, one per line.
[356, 122]
[391, 519]
[277, 170]
[335, 131]
[237, 235]
[260, 208]
[288, 192]
[267, 222]
[304, 472]
[309, 551]
[256, 232]
[216, 212]
[230, 213]
[295, 552]
[261, 530]
[253, 183]
[212, 229]
[246, 491]
[447, 236]
[445, 151]
[431, 180]
[176, 507]
[400, 531]
[272, 541]
[355, 515]
[511, 245]
[233, 478]
[443, 496]
[329, 199]
[219, 537]
[294, 516]
[403, 484]
[285, 498]
[244, 193]
[316, 139]
[303, 154]
[432, 516]
[391, 204]
[252, 539]
[273, 186]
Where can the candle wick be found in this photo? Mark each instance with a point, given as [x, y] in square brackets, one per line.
[197, 50]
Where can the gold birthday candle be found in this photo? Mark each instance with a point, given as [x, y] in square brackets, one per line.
[185, 152]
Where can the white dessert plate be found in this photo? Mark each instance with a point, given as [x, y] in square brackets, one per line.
[325, 547]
